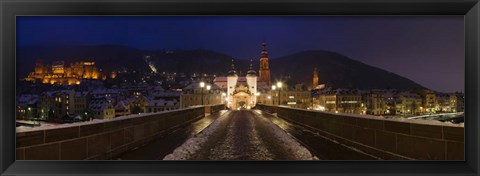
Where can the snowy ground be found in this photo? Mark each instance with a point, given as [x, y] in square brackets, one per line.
[241, 135]
[47, 125]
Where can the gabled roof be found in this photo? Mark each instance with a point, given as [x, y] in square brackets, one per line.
[27, 99]
[99, 105]
[196, 85]
[122, 105]
[162, 102]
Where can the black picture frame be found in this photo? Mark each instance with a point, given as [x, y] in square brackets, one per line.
[11, 8]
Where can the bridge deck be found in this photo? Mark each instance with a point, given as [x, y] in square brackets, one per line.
[164, 145]
[230, 135]
[242, 135]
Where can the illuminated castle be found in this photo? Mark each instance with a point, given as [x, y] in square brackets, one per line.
[58, 73]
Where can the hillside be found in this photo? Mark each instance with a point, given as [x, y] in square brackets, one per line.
[336, 69]
[333, 68]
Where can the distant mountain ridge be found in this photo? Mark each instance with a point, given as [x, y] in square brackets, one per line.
[338, 70]
[333, 68]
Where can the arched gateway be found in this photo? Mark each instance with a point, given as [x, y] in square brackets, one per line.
[242, 91]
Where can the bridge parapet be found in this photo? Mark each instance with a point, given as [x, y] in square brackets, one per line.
[101, 139]
[214, 108]
[383, 138]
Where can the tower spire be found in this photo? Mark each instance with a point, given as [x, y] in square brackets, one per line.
[251, 72]
[251, 65]
[264, 50]
[232, 71]
[264, 69]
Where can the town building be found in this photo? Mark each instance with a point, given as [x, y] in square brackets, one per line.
[297, 96]
[375, 102]
[27, 106]
[194, 94]
[158, 105]
[460, 102]
[63, 104]
[122, 108]
[102, 108]
[339, 100]
[138, 103]
[429, 101]
[80, 101]
[408, 103]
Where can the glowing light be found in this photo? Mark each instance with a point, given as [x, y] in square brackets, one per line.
[208, 87]
[269, 97]
[350, 102]
[152, 67]
[320, 107]
[274, 87]
[202, 84]
[279, 85]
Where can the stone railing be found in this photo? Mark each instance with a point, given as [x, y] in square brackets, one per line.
[216, 108]
[380, 137]
[100, 139]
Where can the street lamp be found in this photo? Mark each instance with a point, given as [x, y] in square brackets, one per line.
[202, 85]
[223, 96]
[273, 88]
[279, 85]
[208, 90]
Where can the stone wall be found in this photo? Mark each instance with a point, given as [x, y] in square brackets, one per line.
[216, 108]
[100, 139]
[384, 138]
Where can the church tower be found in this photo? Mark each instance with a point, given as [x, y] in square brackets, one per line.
[232, 79]
[264, 69]
[315, 78]
[252, 83]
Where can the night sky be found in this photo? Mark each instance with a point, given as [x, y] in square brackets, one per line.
[426, 49]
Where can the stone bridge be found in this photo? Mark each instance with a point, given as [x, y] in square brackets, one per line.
[345, 136]
[262, 134]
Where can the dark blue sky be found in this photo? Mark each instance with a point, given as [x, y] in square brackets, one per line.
[426, 49]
